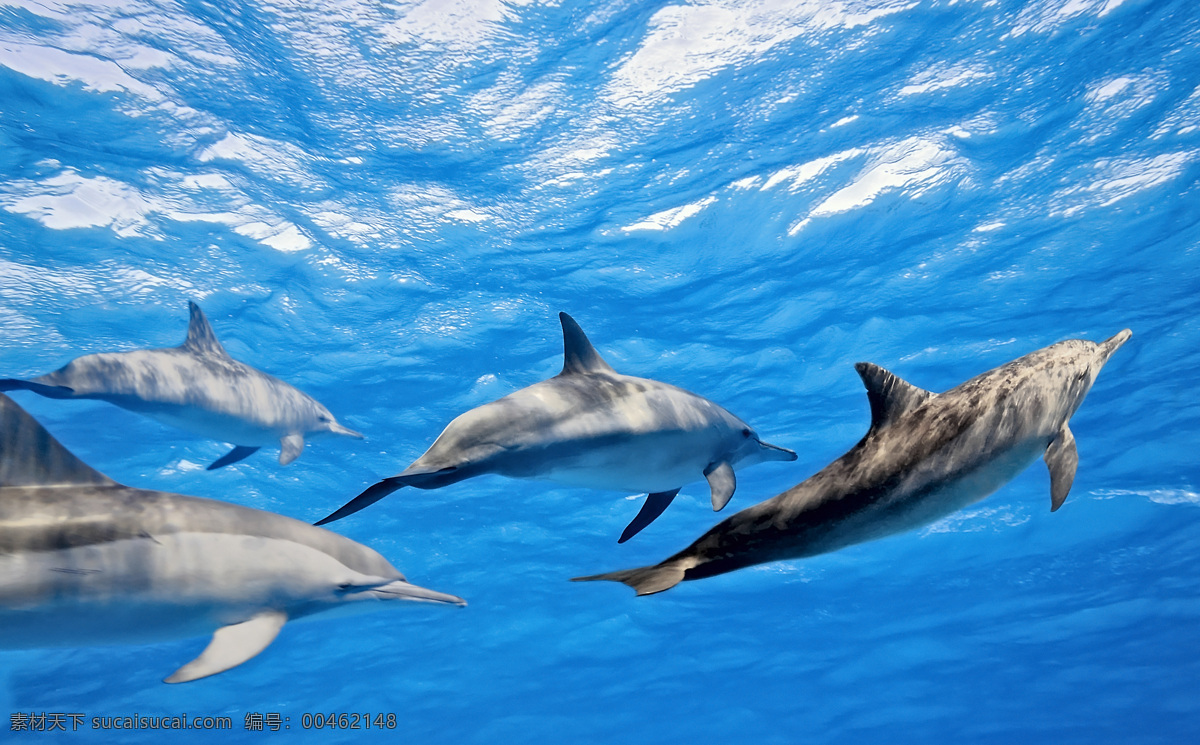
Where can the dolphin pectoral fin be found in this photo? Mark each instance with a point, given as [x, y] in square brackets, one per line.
[239, 452]
[49, 391]
[290, 448]
[231, 646]
[653, 507]
[1062, 458]
[369, 497]
[722, 481]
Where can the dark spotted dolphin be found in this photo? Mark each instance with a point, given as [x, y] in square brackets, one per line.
[590, 426]
[85, 560]
[197, 387]
[924, 457]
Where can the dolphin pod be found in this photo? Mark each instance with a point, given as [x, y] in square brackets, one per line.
[924, 457]
[85, 560]
[590, 426]
[197, 387]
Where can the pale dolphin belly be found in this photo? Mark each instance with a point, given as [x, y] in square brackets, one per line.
[212, 424]
[648, 463]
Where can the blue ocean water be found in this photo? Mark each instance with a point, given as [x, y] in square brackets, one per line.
[387, 203]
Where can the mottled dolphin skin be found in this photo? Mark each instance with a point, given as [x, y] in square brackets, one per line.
[924, 457]
[198, 387]
[590, 426]
[85, 560]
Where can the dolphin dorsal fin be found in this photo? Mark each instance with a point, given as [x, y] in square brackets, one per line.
[30, 456]
[579, 356]
[200, 338]
[889, 395]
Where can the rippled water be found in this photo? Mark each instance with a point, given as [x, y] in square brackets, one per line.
[388, 203]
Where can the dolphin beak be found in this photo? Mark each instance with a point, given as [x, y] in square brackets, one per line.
[401, 590]
[774, 452]
[1109, 346]
[338, 429]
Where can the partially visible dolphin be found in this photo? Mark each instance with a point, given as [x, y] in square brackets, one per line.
[85, 560]
[924, 457]
[590, 426]
[197, 387]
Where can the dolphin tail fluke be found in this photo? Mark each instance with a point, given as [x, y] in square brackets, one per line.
[49, 391]
[369, 497]
[646, 580]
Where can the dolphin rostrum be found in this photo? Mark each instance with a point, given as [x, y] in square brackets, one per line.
[590, 426]
[198, 387]
[924, 457]
[85, 560]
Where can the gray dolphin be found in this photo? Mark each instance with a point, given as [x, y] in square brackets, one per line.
[85, 560]
[924, 457]
[590, 426]
[198, 387]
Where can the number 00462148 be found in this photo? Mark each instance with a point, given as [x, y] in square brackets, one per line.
[348, 721]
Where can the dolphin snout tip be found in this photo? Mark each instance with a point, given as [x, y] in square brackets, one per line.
[1121, 337]
[774, 452]
[404, 590]
[338, 429]
[1114, 343]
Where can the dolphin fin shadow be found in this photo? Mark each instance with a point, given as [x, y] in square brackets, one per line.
[653, 507]
[49, 391]
[238, 453]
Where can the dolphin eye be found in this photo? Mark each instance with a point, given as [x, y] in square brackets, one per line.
[323, 418]
[746, 433]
